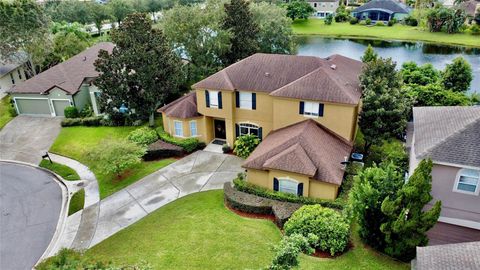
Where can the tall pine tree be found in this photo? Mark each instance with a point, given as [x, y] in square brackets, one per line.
[142, 71]
[239, 22]
[408, 222]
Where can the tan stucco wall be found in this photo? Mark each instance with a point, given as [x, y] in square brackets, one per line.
[342, 119]
[311, 188]
[168, 125]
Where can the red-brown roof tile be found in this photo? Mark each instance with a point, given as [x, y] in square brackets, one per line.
[184, 107]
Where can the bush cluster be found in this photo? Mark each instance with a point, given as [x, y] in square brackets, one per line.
[328, 225]
[88, 121]
[353, 20]
[379, 23]
[244, 145]
[368, 21]
[250, 188]
[411, 21]
[475, 29]
[70, 112]
[143, 136]
[189, 144]
[286, 252]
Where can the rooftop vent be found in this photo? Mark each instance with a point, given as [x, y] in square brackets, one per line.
[333, 67]
[84, 58]
[267, 74]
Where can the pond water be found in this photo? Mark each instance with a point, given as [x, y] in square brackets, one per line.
[419, 52]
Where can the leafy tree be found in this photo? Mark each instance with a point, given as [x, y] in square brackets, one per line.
[98, 14]
[153, 6]
[407, 221]
[445, 19]
[66, 28]
[436, 95]
[385, 107]
[70, 11]
[369, 54]
[24, 27]
[239, 22]
[275, 31]
[421, 75]
[244, 145]
[457, 76]
[142, 71]
[287, 251]
[120, 9]
[114, 157]
[197, 37]
[299, 9]
[329, 19]
[65, 45]
[371, 186]
[342, 14]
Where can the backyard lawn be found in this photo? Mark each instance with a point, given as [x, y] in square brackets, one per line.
[396, 32]
[75, 142]
[5, 116]
[198, 232]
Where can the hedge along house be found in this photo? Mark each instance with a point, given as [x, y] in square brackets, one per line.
[382, 10]
[266, 93]
[69, 83]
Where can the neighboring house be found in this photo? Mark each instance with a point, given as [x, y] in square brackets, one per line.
[465, 256]
[11, 74]
[324, 7]
[382, 10]
[450, 136]
[303, 108]
[470, 7]
[69, 83]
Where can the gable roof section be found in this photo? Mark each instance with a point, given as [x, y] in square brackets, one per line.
[184, 107]
[332, 79]
[448, 134]
[306, 148]
[67, 75]
[391, 6]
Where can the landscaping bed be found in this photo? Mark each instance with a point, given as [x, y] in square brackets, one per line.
[6, 111]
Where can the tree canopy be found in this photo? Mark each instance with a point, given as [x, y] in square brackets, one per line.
[299, 9]
[457, 76]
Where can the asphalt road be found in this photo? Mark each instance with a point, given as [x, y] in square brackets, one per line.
[30, 205]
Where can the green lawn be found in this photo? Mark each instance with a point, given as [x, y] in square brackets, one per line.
[64, 171]
[74, 142]
[198, 232]
[396, 32]
[5, 115]
[76, 202]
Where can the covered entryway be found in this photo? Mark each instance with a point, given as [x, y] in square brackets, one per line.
[219, 126]
[37, 106]
[59, 106]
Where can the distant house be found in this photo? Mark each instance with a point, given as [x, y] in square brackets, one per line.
[382, 10]
[446, 257]
[69, 83]
[11, 74]
[470, 7]
[324, 7]
[450, 136]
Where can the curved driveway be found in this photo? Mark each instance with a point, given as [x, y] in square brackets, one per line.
[30, 205]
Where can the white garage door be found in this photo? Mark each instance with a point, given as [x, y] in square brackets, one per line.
[33, 106]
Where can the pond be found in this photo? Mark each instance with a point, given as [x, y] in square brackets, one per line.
[419, 52]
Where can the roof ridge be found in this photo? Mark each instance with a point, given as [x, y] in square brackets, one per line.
[227, 78]
[455, 133]
[294, 81]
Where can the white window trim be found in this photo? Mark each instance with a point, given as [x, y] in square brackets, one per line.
[286, 178]
[248, 123]
[175, 129]
[240, 100]
[305, 109]
[58, 99]
[196, 128]
[457, 180]
[210, 94]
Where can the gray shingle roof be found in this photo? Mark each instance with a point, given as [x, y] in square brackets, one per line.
[392, 6]
[463, 256]
[67, 75]
[448, 134]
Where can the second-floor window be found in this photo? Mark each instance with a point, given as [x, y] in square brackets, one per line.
[246, 100]
[314, 4]
[19, 74]
[468, 181]
[213, 99]
[11, 77]
[311, 109]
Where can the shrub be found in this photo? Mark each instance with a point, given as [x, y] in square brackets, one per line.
[379, 23]
[70, 112]
[226, 148]
[390, 23]
[286, 252]
[327, 224]
[341, 14]
[244, 145]
[411, 21]
[329, 19]
[388, 151]
[143, 136]
[88, 121]
[368, 21]
[475, 29]
[87, 111]
[362, 22]
[353, 20]
[189, 145]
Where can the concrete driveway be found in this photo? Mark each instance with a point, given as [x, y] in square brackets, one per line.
[27, 138]
[30, 204]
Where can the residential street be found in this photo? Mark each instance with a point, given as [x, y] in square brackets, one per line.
[30, 205]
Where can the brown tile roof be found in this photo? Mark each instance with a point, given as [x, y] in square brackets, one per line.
[332, 79]
[448, 134]
[447, 257]
[67, 76]
[184, 107]
[307, 148]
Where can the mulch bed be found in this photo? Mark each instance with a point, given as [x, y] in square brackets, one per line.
[251, 215]
[326, 254]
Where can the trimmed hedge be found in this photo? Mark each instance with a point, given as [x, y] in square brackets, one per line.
[250, 188]
[88, 121]
[143, 136]
[189, 144]
[249, 203]
[70, 112]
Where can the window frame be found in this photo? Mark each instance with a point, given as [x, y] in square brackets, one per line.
[19, 74]
[242, 105]
[248, 126]
[213, 95]
[175, 122]
[315, 108]
[12, 78]
[196, 128]
[289, 180]
[461, 173]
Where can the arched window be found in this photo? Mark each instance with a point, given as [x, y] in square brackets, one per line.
[288, 185]
[246, 128]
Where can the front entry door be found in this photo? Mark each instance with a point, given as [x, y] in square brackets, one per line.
[219, 126]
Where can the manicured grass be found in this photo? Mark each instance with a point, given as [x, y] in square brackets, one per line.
[396, 32]
[65, 172]
[75, 142]
[198, 232]
[76, 202]
[5, 115]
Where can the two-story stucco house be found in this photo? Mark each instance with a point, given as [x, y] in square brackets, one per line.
[303, 108]
[450, 136]
[324, 7]
[69, 83]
